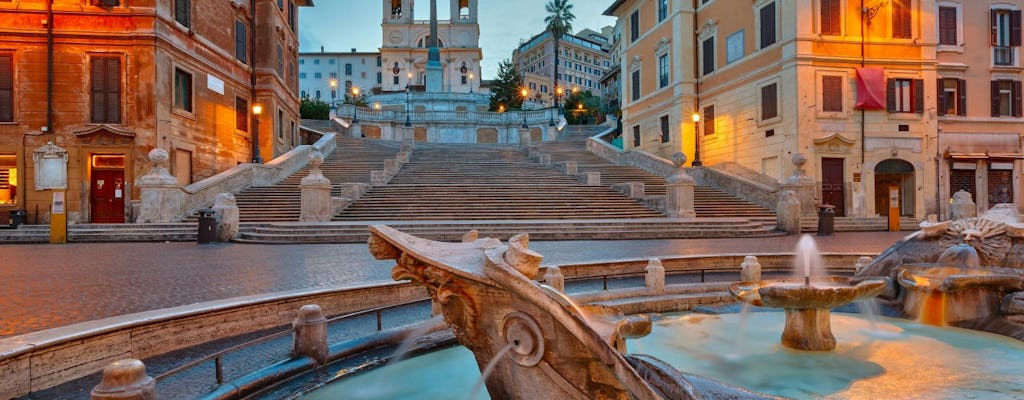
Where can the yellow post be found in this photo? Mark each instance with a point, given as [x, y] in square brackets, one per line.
[894, 208]
[58, 219]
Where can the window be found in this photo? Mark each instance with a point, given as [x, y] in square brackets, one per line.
[8, 178]
[331, 61]
[663, 71]
[831, 18]
[394, 80]
[316, 61]
[380, 78]
[302, 61]
[280, 60]
[242, 114]
[318, 95]
[662, 10]
[348, 69]
[6, 88]
[291, 15]
[280, 124]
[947, 26]
[1006, 98]
[767, 14]
[302, 75]
[317, 75]
[240, 41]
[664, 129]
[708, 55]
[182, 12]
[905, 95]
[106, 90]
[334, 75]
[378, 61]
[769, 101]
[636, 135]
[635, 85]
[901, 13]
[634, 26]
[832, 93]
[1005, 33]
[182, 90]
[952, 98]
[709, 120]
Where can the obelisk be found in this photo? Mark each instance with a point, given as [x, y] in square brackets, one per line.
[435, 79]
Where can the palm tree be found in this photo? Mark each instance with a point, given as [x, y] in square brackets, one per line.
[559, 22]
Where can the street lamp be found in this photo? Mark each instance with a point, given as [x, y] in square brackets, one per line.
[558, 98]
[355, 104]
[471, 82]
[408, 122]
[257, 109]
[334, 92]
[522, 108]
[696, 140]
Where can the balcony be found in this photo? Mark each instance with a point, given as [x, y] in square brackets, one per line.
[1002, 55]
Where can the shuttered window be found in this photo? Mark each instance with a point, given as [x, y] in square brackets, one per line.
[708, 56]
[767, 25]
[635, 85]
[242, 114]
[952, 96]
[182, 90]
[664, 129]
[241, 41]
[947, 26]
[709, 120]
[832, 93]
[636, 135]
[769, 102]
[6, 88]
[105, 93]
[183, 12]
[634, 26]
[905, 95]
[901, 13]
[830, 18]
[1006, 98]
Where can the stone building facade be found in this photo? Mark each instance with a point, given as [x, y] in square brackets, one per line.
[910, 98]
[584, 57]
[349, 70]
[131, 76]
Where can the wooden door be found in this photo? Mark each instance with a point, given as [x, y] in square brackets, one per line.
[106, 196]
[833, 184]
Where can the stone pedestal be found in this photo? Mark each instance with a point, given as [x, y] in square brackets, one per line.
[524, 137]
[633, 190]
[125, 380]
[403, 157]
[750, 269]
[551, 134]
[316, 193]
[311, 333]
[355, 130]
[809, 329]
[391, 166]
[379, 178]
[162, 199]
[788, 212]
[569, 167]
[353, 191]
[591, 178]
[963, 206]
[679, 187]
[803, 186]
[654, 278]
[545, 159]
[227, 217]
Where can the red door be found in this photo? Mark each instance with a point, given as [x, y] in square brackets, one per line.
[107, 196]
[832, 184]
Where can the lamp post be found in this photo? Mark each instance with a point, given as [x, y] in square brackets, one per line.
[558, 98]
[696, 140]
[355, 105]
[408, 122]
[522, 108]
[470, 82]
[257, 109]
[334, 92]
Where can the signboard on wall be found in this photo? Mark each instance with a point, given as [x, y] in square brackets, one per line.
[51, 167]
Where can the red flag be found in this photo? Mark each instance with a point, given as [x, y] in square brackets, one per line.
[870, 89]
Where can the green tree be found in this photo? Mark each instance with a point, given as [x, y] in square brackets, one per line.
[314, 109]
[559, 22]
[582, 107]
[505, 91]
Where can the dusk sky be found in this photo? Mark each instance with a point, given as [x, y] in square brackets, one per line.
[340, 25]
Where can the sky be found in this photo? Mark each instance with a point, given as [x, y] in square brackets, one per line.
[340, 25]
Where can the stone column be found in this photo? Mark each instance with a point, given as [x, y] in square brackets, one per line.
[125, 379]
[227, 217]
[679, 202]
[162, 199]
[804, 187]
[316, 192]
[311, 333]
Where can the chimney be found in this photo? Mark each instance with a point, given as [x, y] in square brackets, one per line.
[321, 49]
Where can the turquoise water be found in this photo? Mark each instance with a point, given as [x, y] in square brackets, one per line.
[895, 359]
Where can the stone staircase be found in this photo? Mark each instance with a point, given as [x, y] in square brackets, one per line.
[708, 201]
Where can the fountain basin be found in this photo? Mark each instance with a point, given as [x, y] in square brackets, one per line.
[939, 294]
[807, 306]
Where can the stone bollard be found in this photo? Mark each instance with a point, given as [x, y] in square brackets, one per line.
[569, 167]
[750, 269]
[379, 178]
[227, 217]
[591, 178]
[655, 277]
[545, 159]
[554, 278]
[524, 137]
[679, 187]
[162, 198]
[315, 202]
[963, 206]
[551, 134]
[861, 264]
[391, 166]
[633, 190]
[788, 212]
[311, 333]
[125, 380]
[408, 141]
[471, 236]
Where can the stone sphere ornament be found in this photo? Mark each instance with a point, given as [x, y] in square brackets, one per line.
[316, 159]
[679, 159]
[159, 157]
[799, 160]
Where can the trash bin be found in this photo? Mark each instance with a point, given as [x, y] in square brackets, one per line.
[17, 218]
[207, 226]
[826, 219]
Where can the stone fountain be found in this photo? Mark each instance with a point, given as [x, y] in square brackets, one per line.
[533, 341]
[807, 302]
[968, 273]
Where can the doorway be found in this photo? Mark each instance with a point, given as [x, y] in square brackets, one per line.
[833, 184]
[107, 190]
[899, 174]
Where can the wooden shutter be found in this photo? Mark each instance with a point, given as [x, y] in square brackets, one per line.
[901, 19]
[890, 95]
[241, 41]
[918, 95]
[767, 25]
[940, 97]
[709, 55]
[961, 91]
[182, 8]
[6, 88]
[769, 102]
[1015, 28]
[993, 17]
[995, 98]
[113, 77]
[832, 93]
[947, 26]
[1016, 98]
[830, 17]
[98, 82]
[241, 114]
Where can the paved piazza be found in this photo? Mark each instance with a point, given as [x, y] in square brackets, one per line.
[46, 286]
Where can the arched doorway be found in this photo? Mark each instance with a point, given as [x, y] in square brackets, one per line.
[899, 174]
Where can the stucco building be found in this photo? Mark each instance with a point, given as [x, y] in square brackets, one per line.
[131, 76]
[349, 70]
[584, 57]
[914, 98]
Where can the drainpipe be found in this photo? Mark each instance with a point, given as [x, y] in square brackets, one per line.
[863, 36]
[49, 67]
[252, 77]
[696, 91]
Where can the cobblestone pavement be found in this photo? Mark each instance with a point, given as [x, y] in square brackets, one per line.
[46, 286]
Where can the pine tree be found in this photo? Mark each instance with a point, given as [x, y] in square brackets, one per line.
[505, 91]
